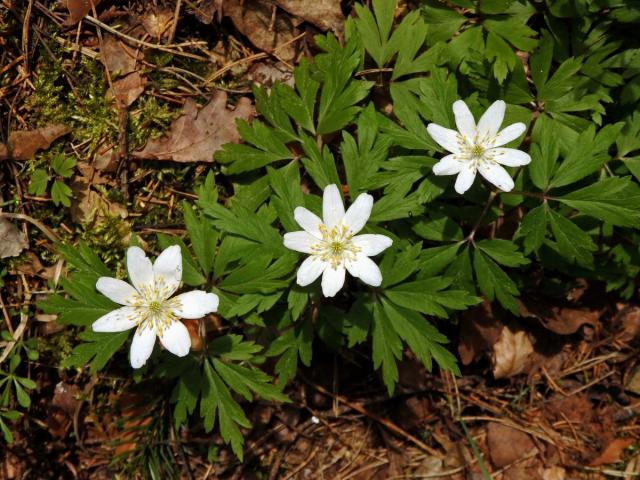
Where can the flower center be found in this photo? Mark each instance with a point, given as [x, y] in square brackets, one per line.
[477, 151]
[336, 246]
[152, 308]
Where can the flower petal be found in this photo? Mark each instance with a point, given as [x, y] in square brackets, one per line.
[176, 339]
[118, 320]
[332, 280]
[358, 213]
[465, 179]
[142, 346]
[511, 157]
[371, 244]
[445, 137]
[448, 165]
[139, 267]
[167, 269]
[310, 270]
[366, 270]
[509, 134]
[308, 220]
[195, 304]
[116, 290]
[332, 206]
[300, 241]
[491, 120]
[464, 119]
[497, 175]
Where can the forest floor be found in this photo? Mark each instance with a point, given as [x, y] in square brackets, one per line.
[554, 395]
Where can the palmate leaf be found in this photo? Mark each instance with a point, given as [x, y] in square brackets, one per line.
[96, 350]
[430, 296]
[533, 229]
[573, 243]
[615, 200]
[294, 344]
[494, 283]
[386, 347]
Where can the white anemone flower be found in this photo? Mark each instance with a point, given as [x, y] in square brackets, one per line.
[333, 245]
[478, 148]
[149, 305]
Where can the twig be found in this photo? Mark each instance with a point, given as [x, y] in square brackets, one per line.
[163, 48]
[176, 15]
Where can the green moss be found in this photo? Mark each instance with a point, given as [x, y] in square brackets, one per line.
[149, 120]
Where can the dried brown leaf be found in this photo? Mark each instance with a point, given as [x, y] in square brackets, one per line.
[78, 9]
[561, 320]
[198, 133]
[23, 145]
[324, 14]
[254, 19]
[613, 452]
[512, 352]
[12, 241]
[554, 473]
[128, 89]
[157, 21]
[118, 57]
[506, 444]
[4, 152]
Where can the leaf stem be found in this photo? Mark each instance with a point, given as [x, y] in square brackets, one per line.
[492, 196]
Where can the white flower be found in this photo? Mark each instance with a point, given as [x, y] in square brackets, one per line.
[331, 243]
[475, 147]
[149, 306]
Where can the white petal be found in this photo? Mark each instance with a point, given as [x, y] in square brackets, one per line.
[509, 134]
[139, 267]
[196, 304]
[465, 179]
[176, 339]
[116, 321]
[309, 221]
[358, 213]
[464, 119]
[116, 290]
[371, 244]
[366, 270]
[445, 137]
[332, 206]
[491, 120]
[167, 269]
[142, 346]
[310, 270]
[496, 175]
[300, 241]
[448, 165]
[510, 157]
[332, 280]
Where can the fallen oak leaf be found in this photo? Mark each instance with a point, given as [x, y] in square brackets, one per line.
[118, 57]
[24, 144]
[507, 445]
[560, 320]
[324, 14]
[126, 90]
[512, 352]
[198, 133]
[254, 19]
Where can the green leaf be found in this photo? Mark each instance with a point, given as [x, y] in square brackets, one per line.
[203, 236]
[533, 229]
[61, 193]
[503, 57]
[245, 380]
[573, 243]
[386, 347]
[442, 21]
[96, 350]
[422, 337]
[430, 296]
[186, 393]
[503, 251]
[39, 180]
[293, 344]
[589, 154]
[615, 200]
[285, 183]
[63, 165]
[494, 282]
